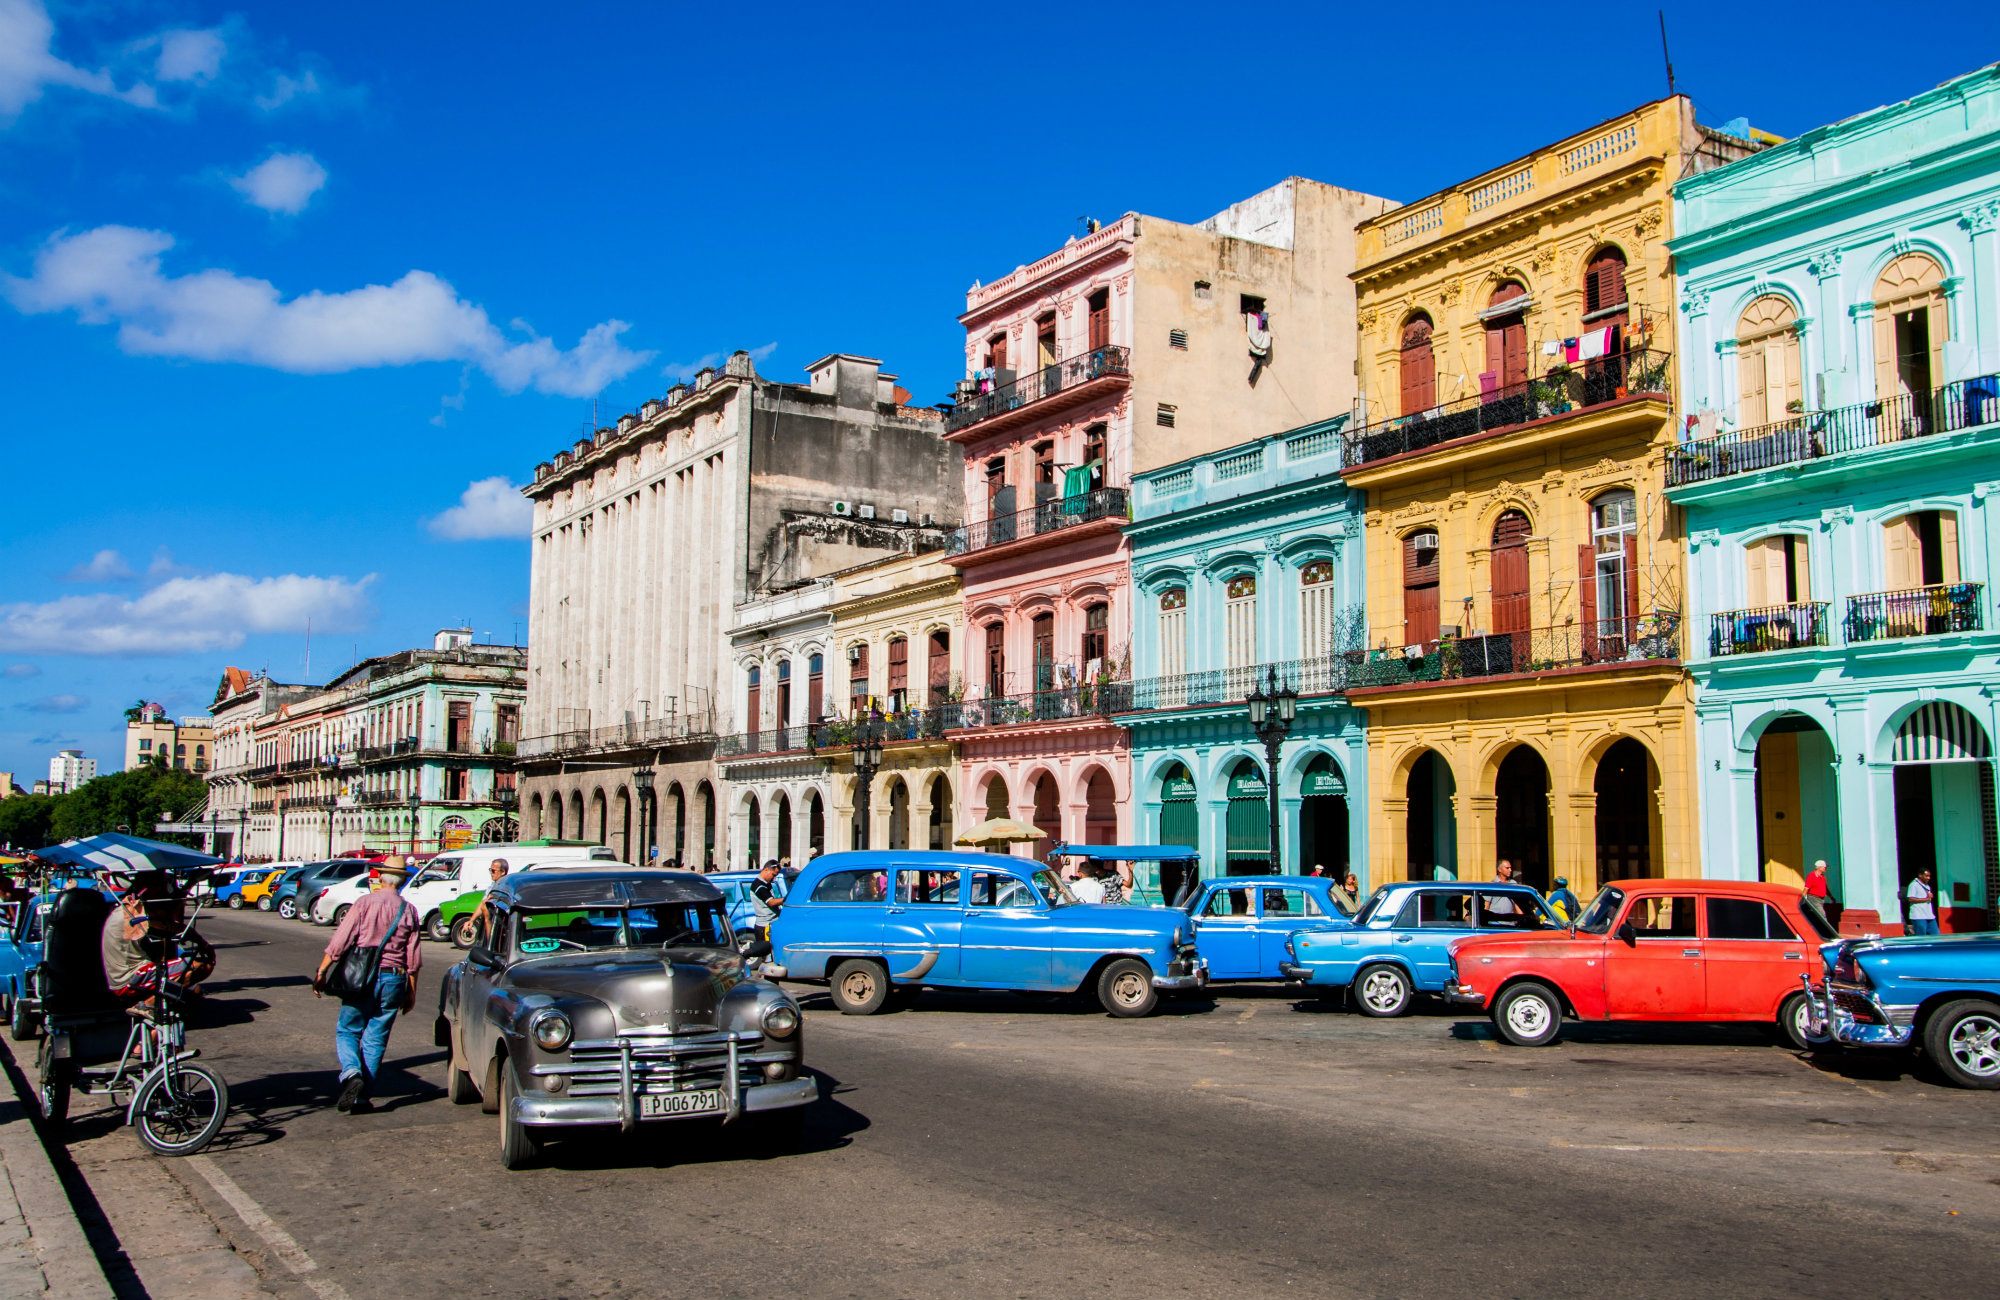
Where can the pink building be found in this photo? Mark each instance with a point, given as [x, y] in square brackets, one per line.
[1135, 346]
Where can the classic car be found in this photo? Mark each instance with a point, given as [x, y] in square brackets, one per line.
[872, 921]
[284, 894]
[226, 882]
[460, 871]
[1939, 993]
[262, 893]
[1243, 923]
[456, 916]
[235, 894]
[1398, 944]
[20, 953]
[615, 997]
[1652, 950]
[735, 887]
[321, 876]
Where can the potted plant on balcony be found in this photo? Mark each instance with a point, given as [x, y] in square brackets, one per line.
[1648, 374]
[1551, 393]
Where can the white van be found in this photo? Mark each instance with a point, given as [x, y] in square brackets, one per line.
[456, 871]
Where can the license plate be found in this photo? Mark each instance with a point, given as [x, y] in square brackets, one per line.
[673, 1104]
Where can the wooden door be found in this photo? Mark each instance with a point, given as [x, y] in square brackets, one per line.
[1419, 368]
[1510, 573]
[1045, 651]
[1420, 591]
[1507, 339]
[996, 659]
[1100, 319]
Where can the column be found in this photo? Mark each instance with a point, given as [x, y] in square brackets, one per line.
[1384, 862]
[1833, 358]
[1867, 806]
[767, 830]
[1476, 817]
[1863, 334]
[1726, 394]
[1696, 374]
[1980, 226]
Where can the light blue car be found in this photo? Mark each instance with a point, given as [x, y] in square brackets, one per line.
[20, 953]
[1940, 993]
[1243, 925]
[735, 887]
[876, 920]
[1399, 944]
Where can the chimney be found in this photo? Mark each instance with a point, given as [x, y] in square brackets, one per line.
[852, 381]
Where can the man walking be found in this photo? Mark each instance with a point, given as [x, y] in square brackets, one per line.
[380, 918]
[1920, 905]
[765, 901]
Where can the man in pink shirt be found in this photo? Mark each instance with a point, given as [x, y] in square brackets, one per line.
[381, 918]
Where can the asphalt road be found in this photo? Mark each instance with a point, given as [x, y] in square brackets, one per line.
[997, 1145]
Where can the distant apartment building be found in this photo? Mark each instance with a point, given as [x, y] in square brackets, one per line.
[651, 534]
[70, 769]
[240, 701]
[153, 737]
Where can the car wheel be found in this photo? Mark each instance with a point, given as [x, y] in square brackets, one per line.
[436, 927]
[264, 903]
[489, 1096]
[1125, 988]
[1382, 991]
[288, 909]
[236, 902]
[859, 987]
[340, 913]
[458, 1083]
[22, 1024]
[1963, 1037]
[463, 932]
[52, 1085]
[519, 1143]
[1528, 1015]
[1794, 1014]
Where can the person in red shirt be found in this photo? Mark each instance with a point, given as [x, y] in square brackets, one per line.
[381, 917]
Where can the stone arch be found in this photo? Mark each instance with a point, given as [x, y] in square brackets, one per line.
[600, 815]
[577, 829]
[621, 827]
[535, 815]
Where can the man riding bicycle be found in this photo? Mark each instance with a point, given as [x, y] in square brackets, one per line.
[137, 934]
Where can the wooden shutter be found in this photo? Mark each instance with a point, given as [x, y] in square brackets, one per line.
[939, 674]
[1420, 595]
[1887, 384]
[997, 349]
[1902, 560]
[899, 665]
[996, 658]
[1630, 626]
[753, 706]
[1800, 555]
[1419, 368]
[1750, 386]
[1586, 598]
[1948, 545]
[815, 694]
[1510, 573]
[1100, 319]
[1761, 588]
[1782, 367]
[1604, 282]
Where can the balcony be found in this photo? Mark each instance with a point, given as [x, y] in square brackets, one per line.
[1562, 390]
[1036, 391]
[905, 727]
[1653, 638]
[1772, 627]
[1090, 701]
[1923, 611]
[672, 729]
[765, 740]
[1055, 515]
[1326, 675]
[1811, 435]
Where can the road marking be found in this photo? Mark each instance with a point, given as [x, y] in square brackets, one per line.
[282, 1243]
[1565, 1145]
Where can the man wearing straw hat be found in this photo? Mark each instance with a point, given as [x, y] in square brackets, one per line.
[380, 918]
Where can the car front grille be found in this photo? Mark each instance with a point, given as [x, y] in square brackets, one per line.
[1857, 1005]
[661, 1062]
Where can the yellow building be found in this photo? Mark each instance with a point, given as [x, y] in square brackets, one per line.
[1523, 688]
[896, 625]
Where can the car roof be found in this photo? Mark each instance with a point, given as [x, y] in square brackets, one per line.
[1689, 885]
[594, 887]
[1404, 886]
[1292, 881]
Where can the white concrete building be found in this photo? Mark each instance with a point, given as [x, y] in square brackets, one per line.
[70, 769]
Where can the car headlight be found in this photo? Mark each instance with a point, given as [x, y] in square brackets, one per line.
[1177, 936]
[550, 1029]
[781, 1020]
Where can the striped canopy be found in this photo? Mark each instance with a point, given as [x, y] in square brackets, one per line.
[1941, 733]
[124, 853]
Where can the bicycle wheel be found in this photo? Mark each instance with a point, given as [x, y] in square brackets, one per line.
[179, 1109]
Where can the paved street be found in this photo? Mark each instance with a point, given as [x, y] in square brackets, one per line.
[1001, 1145]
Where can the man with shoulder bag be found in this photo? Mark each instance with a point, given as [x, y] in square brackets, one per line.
[371, 965]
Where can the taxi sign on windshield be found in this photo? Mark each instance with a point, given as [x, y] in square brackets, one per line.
[540, 945]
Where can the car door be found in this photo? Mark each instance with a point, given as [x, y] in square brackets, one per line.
[922, 924]
[475, 985]
[1225, 931]
[1752, 957]
[1005, 933]
[1655, 971]
[1282, 910]
[1442, 915]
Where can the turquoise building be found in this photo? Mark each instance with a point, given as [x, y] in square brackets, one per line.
[1247, 569]
[1840, 482]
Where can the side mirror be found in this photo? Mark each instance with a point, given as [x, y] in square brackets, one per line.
[482, 956]
[1626, 934]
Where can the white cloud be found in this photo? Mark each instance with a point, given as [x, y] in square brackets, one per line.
[54, 704]
[488, 508]
[105, 566]
[28, 64]
[191, 55]
[112, 276]
[284, 182]
[682, 372]
[184, 615]
[284, 89]
[20, 672]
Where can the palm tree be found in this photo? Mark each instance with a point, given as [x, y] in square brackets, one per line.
[137, 711]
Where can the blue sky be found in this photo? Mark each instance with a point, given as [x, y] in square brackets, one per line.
[291, 296]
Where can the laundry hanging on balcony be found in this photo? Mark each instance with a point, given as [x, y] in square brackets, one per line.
[1587, 346]
[1078, 484]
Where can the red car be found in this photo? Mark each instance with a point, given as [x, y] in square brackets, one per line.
[1689, 950]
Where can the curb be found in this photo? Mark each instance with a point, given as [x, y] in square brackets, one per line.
[69, 1266]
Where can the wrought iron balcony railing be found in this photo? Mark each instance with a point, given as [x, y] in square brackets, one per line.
[1771, 627]
[1811, 435]
[837, 733]
[1325, 675]
[1082, 702]
[1050, 516]
[1923, 611]
[1043, 381]
[673, 729]
[1563, 389]
[1649, 638]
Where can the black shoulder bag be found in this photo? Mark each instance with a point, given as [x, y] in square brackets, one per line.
[352, 978]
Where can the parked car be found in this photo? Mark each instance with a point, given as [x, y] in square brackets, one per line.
[1652, 950]
[321, 876]
[218, 888]
[735, 887]
[233, 893]
[284, 894]
[20, 954]
[456, 916]
[1939, 994]
[872, 921]
[457, 871]
[1242, 924]
[615, 996]
[257, 892]
[1398, 945]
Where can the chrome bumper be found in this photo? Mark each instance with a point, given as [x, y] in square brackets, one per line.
[1187, 971]
[1295, 973]
[1829, 1024]
[1462, 995]
[557, 1111]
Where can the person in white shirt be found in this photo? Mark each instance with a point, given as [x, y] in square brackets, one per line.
[1920, 905]
[1087, 887]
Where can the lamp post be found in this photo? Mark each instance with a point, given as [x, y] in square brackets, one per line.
[508, 798]
[867, 758]
[214, 817]
[243, 831]
[416, 802]
[1272, 709]
[642, 780]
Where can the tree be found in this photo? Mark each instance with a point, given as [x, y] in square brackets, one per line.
[24, 821]
[138, 710]
[136, 800]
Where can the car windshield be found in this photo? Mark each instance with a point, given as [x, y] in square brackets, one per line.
[1597, 918]
[1371, 907]
[1826, 929]
[594, 929]
[1052, 889]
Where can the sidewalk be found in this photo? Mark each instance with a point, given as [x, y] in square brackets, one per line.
[43, 1249]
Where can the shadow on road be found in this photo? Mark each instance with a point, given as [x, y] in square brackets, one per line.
[934, 1001]
[260, 1109]
[270, 982]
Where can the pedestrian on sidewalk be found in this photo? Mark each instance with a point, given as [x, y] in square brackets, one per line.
[765, 900]
[1920, 905]
[1563, 901]
[381, 917]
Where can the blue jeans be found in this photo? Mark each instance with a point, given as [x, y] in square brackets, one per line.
[361, 1034]
[1925, 926]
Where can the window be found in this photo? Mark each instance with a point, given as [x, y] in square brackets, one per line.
[996, 351]
[1239, 622]
[508, 726]
[1177, 340]
[753, 700]
[1506, 338]
[1203, 291]
[1044, 642]
[996, 659]
[815, 688]
[930, 888]
[1418, 366]
[1420, 587]
[145, 744]
[1910, 333]
[1604, 285]
[996, 482]
[784, 692]
[457, 784]
[1746, 918]
[1096, 637]
[1173, 632]
[1665, 916]
[1249, 304]
[899, 673]
[1767, 363]
[1614, 536]
[1228, 902]
[1100, 319]
[1045, 471]
[1095, 440]
[1316, 610]
[998, 889]
[1921, 550]
[1164, 416]
[1445, 908]
[863, 886]
[939, 675]
[1045, 339]
[1777, 571]
[458, 726]
[857, 678]
[1289, 903]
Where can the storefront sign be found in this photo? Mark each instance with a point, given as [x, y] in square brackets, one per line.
[454, 833]
[1246, 785]
[1322, 781]
[1177, 788]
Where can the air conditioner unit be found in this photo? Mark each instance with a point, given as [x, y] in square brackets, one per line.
[1425, 541]
[854, 654]
[843, 508]
[899, 516]
[866, 512]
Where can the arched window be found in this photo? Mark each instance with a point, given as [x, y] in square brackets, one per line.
[899, 673]
[939, 673]
[1042, 629]
[1509, 569]
[1316, 610]
[1420, 587]
[1099, 304]
[815, 688]
[1910, 333]
[1767, 363]
[1507, 335]
[1096, 637]
[1239, 622]
[996, 659]
[1173, 632]
[753, 700]
[784, 693]
[857, 678]
[1611, 574]
[1419, 366]
[1777, 571]
[1604, 301]
[1920, 550]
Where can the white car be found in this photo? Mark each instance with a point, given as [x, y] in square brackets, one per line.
[455, 872]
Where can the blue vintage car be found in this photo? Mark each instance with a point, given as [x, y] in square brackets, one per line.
[1242, 924]
[735, 887]
[20, 953]
[1939, 993]
[871, 921]
[1399, 943]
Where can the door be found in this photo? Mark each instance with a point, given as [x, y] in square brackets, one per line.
[1281, 912]
[1045, 651]
[1005, 934]
[1442, 916]
[1752, 956]
[1225, 930]
[922, 925]
[1510, 579]
[1660, 974]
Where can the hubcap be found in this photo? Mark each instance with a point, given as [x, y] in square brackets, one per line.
[1528, 1017]
[1382, 991]
[1975, 1045]
[1129, 989]
[859, 986]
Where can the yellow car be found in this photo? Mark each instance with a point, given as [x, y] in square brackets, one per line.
[257, 893]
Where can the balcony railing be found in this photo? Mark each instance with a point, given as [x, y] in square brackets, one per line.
[1578, 387]
[1083, 702]
[1051, 516]
[1650, 638]
[1041, 382]
[672, 729]
[1325, 675]
[1924, 611]
[1772, 627]
[1811, 435]
[379, 798]
[837, 733]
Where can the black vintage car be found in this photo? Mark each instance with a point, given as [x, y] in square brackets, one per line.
[616, 996]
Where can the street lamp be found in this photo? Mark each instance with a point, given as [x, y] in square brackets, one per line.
[507, 797]
[416, 801]
[1272, 709]
[214, 817]
[642, 779]
[242, 831]
[867, 758]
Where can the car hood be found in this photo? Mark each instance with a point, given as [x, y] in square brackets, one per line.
[644, 988]
[1553, 942]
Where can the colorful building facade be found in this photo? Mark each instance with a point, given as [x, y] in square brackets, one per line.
[1524, 693]
[1247, 573]
[1841, 395]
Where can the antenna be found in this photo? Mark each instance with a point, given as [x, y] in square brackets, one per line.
[1664, 53]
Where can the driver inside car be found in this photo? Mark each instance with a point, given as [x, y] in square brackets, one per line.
[136, 936]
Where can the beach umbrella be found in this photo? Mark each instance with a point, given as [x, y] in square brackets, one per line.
[1000, 830]
[124, 854]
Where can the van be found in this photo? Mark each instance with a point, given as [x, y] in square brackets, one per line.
[452, 873]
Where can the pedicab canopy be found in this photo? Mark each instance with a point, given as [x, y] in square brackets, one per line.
[125, 854]
[1148, 886]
